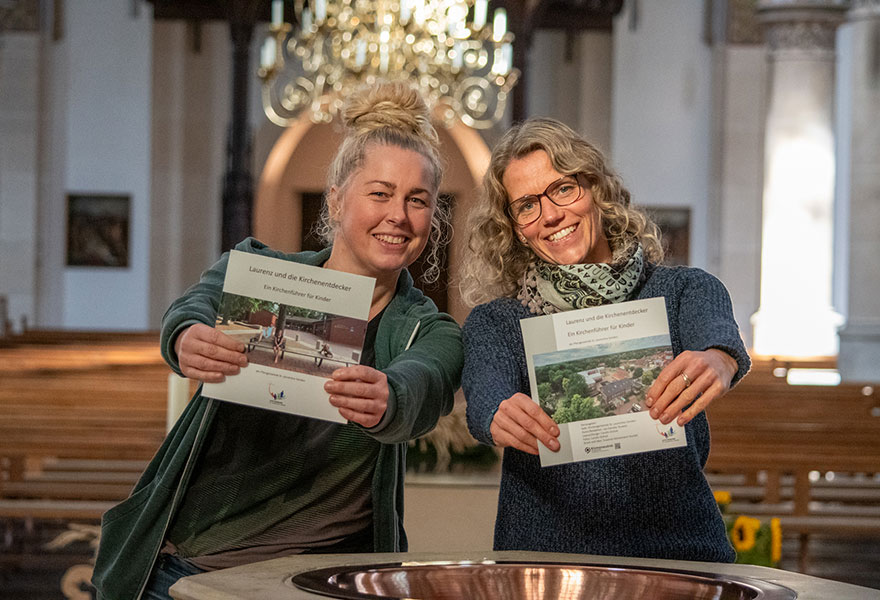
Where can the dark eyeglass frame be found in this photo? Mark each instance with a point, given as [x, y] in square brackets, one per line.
[537, 199]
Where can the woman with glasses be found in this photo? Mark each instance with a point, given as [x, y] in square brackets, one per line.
[555, 231]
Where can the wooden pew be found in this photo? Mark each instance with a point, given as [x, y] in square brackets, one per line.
[81, 413]
[782, 439]
[54, 490]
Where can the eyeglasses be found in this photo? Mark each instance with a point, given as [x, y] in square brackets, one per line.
[562, 192]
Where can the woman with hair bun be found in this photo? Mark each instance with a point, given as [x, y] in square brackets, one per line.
[234, 484]
[555, 231]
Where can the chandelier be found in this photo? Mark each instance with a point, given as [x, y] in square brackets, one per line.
[460, 62]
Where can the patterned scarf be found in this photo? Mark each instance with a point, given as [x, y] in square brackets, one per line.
[546, 288]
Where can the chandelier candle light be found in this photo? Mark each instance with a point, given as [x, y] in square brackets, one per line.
[461, 63]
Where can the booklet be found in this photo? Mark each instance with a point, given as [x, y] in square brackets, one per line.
[299, 323]
[589, 370]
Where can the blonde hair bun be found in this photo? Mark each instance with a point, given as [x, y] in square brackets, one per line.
[392, 104]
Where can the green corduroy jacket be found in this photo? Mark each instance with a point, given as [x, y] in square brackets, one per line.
[421, 379]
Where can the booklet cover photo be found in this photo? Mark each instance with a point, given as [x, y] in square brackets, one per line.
[589, 369]
[298, 323]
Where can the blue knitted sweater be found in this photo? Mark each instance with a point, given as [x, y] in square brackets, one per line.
[652, 504]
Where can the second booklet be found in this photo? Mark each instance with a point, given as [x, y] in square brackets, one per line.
[589, 369]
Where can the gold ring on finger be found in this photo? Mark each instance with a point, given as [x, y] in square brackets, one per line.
[687, 380]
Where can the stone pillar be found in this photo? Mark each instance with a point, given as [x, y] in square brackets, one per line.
[238, 186]
[796, 317]
[859, 358]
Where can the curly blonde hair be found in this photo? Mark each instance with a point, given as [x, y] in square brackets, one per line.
[388, 114]
[496, 260]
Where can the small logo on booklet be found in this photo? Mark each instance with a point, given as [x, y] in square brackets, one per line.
[666, 432]
[276, 398]
[602, 448]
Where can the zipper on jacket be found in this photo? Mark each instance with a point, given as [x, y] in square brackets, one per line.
[412, 336]
[174, 498]
[396, 523]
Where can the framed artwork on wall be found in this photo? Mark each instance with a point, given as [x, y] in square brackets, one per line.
[98, 230]
[675, 224]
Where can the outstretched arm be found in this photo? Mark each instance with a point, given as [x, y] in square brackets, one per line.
[198, 305]
[713, 359]
[691, 382]
[421, 381]
[360, 393]
[498, 412]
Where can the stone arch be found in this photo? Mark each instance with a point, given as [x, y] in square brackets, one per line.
[297, 164]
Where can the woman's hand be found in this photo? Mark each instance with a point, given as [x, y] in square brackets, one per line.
[208, 355]
[520, 423]
[360, 393]
[705, 374]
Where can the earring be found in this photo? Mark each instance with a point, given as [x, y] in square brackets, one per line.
[522, 238]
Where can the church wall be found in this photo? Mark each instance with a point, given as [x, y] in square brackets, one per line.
[19, 120]
[845, 108]
[858, 243]
[660, 122]
[740, 143]
[595, 50]
[575, 88]
[191, 83]
[192, 86]
[95, 139]
[552, 79]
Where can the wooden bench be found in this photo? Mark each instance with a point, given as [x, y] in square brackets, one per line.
[55, 489]
[317, 356]
[89, 510]
[81, 414]
[268, 344]
[783, 439]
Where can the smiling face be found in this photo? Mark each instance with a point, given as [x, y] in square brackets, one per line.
[383, 214]
[562, 235]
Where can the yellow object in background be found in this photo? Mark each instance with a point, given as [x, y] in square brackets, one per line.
[775, 540]
[722, 498]
[743, 533]
[756, 542]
